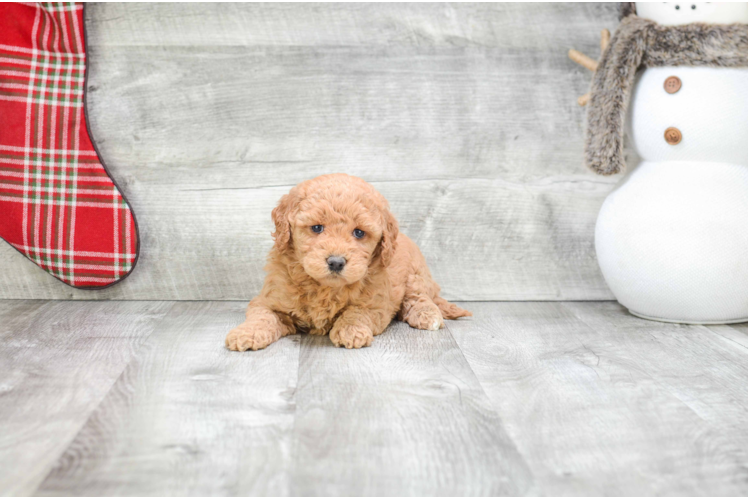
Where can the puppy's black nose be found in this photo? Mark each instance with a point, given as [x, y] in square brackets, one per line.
[335, 263]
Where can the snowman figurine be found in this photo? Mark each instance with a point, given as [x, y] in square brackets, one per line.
[672, 237]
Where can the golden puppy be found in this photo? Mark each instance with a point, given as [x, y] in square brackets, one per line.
[339, 266]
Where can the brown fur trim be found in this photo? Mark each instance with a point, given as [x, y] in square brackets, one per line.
[626, 9]
[640, 43]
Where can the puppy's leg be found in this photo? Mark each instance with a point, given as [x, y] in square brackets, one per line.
[261, 328]
[418, 308]
[357, 326]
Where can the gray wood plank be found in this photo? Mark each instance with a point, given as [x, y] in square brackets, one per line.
[403, 417]
[220, 253]
[509, 24]
[602, 403]
[15, 316]
[737, 334]
[708, 375]
[463, 115]
[189, 417]
[57, 361]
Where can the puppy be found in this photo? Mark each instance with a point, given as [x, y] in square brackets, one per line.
[339, 266]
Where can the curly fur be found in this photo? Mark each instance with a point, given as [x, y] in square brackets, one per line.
[640, 43]
[385, 273]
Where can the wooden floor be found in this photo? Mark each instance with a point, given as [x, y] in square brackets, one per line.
[550, 398]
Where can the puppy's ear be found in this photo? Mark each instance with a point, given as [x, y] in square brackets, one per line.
[281, 217]
[389, 237]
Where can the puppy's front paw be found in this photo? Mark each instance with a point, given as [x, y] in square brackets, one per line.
[351, 336]
[243, 338]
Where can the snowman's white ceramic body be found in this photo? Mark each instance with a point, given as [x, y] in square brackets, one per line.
[672, 238]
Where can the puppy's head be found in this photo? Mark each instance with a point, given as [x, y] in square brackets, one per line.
[336, 226]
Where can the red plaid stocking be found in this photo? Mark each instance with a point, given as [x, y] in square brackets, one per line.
[58, 205]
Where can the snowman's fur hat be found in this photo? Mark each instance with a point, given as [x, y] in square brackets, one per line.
[627, 9]
[640, 43]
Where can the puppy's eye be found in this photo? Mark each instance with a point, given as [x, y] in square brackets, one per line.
[358, 233]
[318, 229]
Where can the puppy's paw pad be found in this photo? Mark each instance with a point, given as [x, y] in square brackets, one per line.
[351, 337]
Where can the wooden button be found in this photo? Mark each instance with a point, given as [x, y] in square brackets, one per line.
[673, 136]
[672, 84]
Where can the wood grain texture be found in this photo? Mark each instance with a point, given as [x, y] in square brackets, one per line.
[57, 361]
[511, 25]
[189, 417]
[463, 115]
[404, 417]
[602, 403]
[553, 398]
[737, 334]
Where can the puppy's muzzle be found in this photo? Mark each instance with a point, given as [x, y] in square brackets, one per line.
[335, 264]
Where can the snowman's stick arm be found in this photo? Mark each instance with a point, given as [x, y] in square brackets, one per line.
[604, 40]
[583, 60]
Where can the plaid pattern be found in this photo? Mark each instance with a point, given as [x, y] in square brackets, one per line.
[58, 205]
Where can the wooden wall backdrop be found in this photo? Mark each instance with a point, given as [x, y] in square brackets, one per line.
[463, 115]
